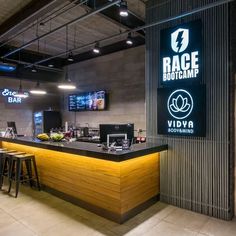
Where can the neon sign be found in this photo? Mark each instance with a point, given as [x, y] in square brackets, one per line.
[9, 94]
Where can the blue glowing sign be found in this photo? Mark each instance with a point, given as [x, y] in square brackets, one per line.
[9, 94]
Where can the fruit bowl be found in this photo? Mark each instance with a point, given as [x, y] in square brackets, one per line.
[57, 137]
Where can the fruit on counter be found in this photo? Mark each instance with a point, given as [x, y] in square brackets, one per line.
[57, 137]
[43, 137]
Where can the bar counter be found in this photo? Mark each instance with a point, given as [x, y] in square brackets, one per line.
[115, 185]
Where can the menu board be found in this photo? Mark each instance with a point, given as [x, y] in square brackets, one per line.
[90, 101]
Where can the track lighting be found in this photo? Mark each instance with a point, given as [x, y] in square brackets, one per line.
[70, 57]
[37, 90]
[129, 39]
[123, 8]
[34, 70]
[96, 48]
[41, 25]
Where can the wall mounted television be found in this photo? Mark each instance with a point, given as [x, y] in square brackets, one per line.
[88, 101]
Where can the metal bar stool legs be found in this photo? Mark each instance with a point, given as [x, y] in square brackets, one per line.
[17, 161]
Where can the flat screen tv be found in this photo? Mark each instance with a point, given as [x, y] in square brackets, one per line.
[89, 101]
[107, 129]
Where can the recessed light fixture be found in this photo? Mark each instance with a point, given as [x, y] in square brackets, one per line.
[123, 9]
[129, 39]
[96, 48]
[70, 57]
[37, 90]
[34, 70]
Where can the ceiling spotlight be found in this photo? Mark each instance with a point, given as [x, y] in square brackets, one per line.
[96, 48]
[70, 57]
[129, 39]
[50, 65]
[41, 24]
[67, 84]
[34, 70]
[123, 9]
[20, 93]
[37, 90]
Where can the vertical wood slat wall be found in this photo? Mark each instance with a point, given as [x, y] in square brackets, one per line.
[195, 173]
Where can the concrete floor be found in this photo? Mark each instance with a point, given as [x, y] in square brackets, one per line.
[39, 213]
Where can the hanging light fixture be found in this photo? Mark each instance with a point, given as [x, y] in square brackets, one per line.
[20, 93]
[96, 48]
[70, 57]
[37, 90]
[50, 65]
[129, 39]
[123, 8]
[67, 84]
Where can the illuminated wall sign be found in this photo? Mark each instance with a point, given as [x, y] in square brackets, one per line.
[181, 111]
[180, 53]
[7, 67]
[9, 95]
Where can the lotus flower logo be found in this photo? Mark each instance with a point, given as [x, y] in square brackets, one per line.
[180, 104]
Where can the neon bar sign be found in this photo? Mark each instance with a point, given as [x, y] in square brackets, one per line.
[10, 95]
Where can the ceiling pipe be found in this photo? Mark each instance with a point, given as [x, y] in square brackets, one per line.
[45, 21]
[62, 26]
[31, 16]
[197, 10]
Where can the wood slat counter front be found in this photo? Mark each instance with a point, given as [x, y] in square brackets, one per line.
[115, 185]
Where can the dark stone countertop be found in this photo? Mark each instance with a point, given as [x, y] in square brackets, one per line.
[90, 149]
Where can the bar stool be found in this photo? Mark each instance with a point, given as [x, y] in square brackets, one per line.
[4, 164]
[18, 160]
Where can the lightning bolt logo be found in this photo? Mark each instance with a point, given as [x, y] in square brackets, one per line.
[179, 40]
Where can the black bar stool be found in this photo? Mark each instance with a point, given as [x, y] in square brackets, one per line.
[4, 164]
[19, 177]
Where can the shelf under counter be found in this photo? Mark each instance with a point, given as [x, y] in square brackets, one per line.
[116, 185]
